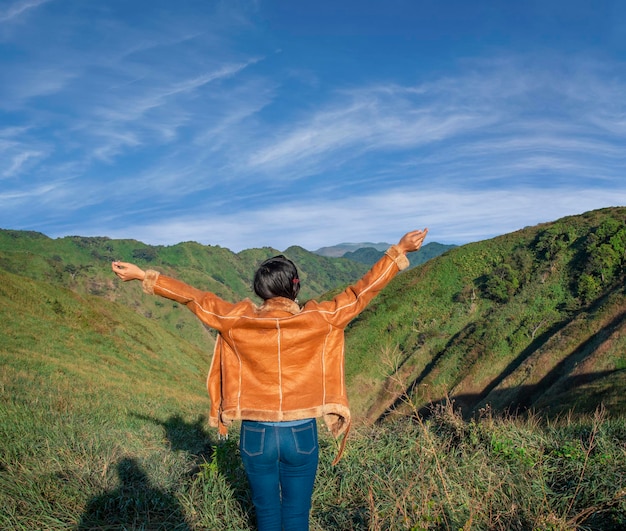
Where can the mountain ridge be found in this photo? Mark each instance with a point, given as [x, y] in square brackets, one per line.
[511, 322]
[338, 250]
[531, 318]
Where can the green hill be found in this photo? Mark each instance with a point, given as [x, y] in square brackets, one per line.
[534, 319]
[103, 403]
[82, 265]
[529, 319]
[84, 384]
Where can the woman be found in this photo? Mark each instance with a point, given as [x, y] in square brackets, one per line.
[277, 367]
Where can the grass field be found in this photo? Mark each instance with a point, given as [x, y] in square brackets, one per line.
[73, 459]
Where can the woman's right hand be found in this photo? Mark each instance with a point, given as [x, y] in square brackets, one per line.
[412, 241]
[127, 271]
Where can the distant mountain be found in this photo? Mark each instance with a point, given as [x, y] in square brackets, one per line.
[337, 251]
[370, 255]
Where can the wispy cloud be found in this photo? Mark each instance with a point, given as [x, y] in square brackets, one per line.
[18, 8]
[122, 110]
[18, 161]
[496, 135]
[29, 82]
[453, 216]
[165, 115]
[527, 112]
[367, 120]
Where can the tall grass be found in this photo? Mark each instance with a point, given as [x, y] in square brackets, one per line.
[150, 465]
[501, 473]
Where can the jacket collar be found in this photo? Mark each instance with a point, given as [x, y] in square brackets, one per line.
[281, 304]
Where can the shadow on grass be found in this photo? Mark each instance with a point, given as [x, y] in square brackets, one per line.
[208, 454]
[135, 504]
[190, 437]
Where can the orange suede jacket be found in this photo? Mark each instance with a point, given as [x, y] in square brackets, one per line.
[279, 361]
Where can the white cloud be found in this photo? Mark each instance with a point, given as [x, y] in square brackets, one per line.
[29, 82]
[363, 121]
[24, 197]
[499, 107]
[131, 106]
[18, 161]
[182, 116]
[453, 216]
[17, 8]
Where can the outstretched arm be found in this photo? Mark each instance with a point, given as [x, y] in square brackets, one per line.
[349, 303]
[127, 271]
[207, 306]
[412, 241]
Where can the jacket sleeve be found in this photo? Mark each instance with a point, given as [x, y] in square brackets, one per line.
[208, 307]
[353, 300]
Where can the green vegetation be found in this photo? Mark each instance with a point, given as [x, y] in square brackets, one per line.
[87, 386]
[532, 319]
[103, 403]
[496, 473]
[84, 266]
[370, 255]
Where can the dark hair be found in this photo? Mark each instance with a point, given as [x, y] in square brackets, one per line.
[277, 277]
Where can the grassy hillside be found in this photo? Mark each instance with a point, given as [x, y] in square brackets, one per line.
[532, 319]
[87, 386]
[83, 265]
[103, 426]
[103, 415]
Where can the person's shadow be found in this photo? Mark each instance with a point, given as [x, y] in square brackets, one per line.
[209, 456]
[190, 437]
[135, 504]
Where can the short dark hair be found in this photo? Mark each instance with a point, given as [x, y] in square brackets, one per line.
[277, 277]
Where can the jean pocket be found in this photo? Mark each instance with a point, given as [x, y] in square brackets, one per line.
[305, 438]
[253, 440]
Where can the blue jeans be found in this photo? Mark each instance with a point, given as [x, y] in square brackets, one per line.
[281, 464]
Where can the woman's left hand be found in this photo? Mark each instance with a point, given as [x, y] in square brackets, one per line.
[412, 241]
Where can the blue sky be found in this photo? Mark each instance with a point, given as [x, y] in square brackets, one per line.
[276, 123]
